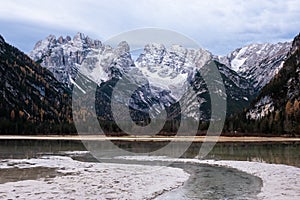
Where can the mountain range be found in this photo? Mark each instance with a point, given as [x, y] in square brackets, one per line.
[163, 74]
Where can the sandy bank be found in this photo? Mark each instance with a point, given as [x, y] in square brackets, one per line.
[84, 180]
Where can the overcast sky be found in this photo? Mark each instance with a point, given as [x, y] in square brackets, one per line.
[217, 25]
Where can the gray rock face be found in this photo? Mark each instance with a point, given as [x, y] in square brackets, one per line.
[171, 69]
[175, 69]
[63, 55]
[164, 74]
[257, 62]
[283, 88]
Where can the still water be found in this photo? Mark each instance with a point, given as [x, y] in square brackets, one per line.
[205, 182]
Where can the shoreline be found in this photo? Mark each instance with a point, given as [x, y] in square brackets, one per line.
[279, 181]
[220, 139]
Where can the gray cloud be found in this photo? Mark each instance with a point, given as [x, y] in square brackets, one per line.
[219, 25]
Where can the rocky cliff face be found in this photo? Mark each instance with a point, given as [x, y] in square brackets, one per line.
[164, 73]
[176, 68]
[64, 57]
[276, 109]
[284, 87]
[258, 63]
[171, 69]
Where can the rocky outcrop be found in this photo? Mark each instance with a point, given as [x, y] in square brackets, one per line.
[258, 63]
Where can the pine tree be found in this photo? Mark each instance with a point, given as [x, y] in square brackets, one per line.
[289, 108]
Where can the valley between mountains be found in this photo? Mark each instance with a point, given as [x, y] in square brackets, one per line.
[261, 83]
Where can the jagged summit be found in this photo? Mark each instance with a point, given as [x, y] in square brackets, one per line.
[64, 56]
[282, 88]
[175, 56]
[79, 40]
[171, 67]
[257, 62]
[276, 109]
[165, 71]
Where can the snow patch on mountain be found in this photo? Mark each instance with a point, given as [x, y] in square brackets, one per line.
[261, 109]
[171, 69]
[237, 63]
[163, 74]
[64, 57]
[258, 63]
[169, 83]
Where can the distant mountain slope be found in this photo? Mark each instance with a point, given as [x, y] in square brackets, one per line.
[258, 63]
[34, 99]
[63, 55]
[276, 110]
[176, 67]
[167, 72]
[31, 99]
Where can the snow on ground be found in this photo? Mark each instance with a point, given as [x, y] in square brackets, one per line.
[279, 181]
[85, 180]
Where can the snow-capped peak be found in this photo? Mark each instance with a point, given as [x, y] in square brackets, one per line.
[64, 57]
[170, 68]
[257, 62]
[164, 73]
